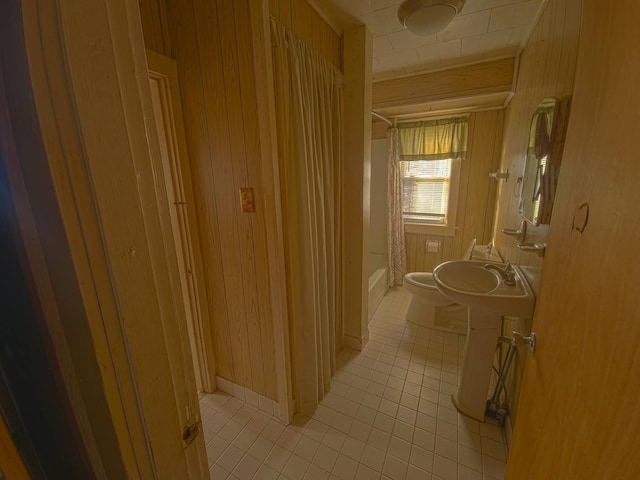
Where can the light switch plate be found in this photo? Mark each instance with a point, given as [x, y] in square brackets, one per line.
[247, 201]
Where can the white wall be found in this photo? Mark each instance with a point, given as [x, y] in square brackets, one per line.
[378, 219]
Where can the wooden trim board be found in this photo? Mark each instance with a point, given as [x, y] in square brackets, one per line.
[263, 64]
[163, 70]
[471, 80]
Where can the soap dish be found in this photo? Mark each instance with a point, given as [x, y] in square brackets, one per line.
[537, 248]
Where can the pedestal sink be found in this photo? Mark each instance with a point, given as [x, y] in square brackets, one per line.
[488, 299]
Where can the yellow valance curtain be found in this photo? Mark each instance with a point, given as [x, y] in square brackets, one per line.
[433, 139]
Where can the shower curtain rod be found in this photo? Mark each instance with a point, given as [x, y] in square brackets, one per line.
[382, 118]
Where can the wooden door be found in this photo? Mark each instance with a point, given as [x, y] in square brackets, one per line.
[579, 413]
[174, 169]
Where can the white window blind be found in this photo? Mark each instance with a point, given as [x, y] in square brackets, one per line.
[425, 190]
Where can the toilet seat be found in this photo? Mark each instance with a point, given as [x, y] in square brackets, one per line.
[421, 284]
[420, 279]
[429, 307]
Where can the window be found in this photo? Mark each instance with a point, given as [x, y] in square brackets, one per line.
[427, 174]
[425, 190]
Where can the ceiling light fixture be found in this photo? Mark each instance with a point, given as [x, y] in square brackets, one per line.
[428, 17]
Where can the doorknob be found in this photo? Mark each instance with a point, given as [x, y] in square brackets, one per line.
[519, 340]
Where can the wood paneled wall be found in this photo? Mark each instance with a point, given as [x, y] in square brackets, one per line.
[211, 43]
[474, 217]
[378, 129]
[547, 69]
[303, 19]
[479, 79]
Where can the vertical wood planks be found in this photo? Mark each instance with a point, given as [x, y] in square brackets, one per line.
[493, 185]
[212, 45]
[547, 69]
[260, 324]
[316, 30]
[461, 214]
[487, 129]
[238, 262]
[152, 25]
[274, 8]
[337, 51]
[286, 13]
[302, 20]
[326, 41]
[186, 49]
[476, 200]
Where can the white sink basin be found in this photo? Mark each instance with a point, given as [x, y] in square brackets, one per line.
[470, 283]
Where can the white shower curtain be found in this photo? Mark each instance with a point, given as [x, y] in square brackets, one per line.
[309, 120]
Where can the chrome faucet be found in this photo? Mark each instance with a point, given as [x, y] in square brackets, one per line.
[507, 273]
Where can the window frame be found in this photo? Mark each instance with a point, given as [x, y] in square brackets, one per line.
[448, 228]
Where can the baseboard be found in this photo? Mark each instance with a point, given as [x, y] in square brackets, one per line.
[262, 403]
[356, 343]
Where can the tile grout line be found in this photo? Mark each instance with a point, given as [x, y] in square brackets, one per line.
[390, 402]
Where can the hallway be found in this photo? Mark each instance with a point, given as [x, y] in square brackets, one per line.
[388, 415]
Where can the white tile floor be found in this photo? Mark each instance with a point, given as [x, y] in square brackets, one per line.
[388, 415]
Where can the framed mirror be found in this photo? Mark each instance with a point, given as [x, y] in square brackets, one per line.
[542, 166]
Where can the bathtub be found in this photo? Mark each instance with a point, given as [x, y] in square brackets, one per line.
[377, 280]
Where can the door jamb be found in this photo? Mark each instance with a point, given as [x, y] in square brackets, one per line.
[164, 70]
[69, 43]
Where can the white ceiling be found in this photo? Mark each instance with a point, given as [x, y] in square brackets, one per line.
[485, 29]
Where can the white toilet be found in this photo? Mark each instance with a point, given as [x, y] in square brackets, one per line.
[430, 308]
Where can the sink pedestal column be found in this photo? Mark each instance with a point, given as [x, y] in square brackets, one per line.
[482, 338]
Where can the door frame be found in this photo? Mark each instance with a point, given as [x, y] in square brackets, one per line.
[164, 70]
[89, 78]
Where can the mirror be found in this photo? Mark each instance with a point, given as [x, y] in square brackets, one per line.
[544, 149]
